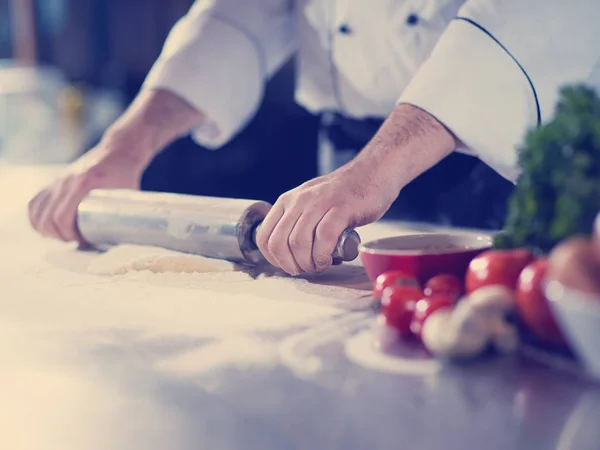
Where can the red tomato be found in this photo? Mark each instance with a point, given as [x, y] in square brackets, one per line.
[427, 306]
[398, 306]
[393, 278]
[533, 307]
[501, 267]
[445, 284]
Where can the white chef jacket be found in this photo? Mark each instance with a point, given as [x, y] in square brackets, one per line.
[489, 70]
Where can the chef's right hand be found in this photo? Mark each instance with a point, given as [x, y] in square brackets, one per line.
[113, 164]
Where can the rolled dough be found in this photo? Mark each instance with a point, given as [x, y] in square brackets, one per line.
[122, 259]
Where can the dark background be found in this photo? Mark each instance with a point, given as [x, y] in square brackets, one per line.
[113, 43]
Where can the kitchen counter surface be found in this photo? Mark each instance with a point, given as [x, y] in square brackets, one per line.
[194, 361]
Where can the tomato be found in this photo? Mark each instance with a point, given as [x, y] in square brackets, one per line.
[533, 307]
[427, 306]
[446, 284]
[497, 267]
[398, 306]
[393, 278]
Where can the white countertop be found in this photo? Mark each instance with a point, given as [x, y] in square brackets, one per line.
[224, 362]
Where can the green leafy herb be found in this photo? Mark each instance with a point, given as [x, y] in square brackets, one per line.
[558, 193]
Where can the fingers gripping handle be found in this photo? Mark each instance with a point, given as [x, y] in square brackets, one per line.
[345, 250]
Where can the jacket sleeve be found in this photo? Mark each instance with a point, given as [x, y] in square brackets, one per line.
[497, 70]
[218, 57]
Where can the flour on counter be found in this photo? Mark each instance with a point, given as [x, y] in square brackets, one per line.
[235, 351]
[360, 350]
[135, 258]
[343, 286]
[298, 352]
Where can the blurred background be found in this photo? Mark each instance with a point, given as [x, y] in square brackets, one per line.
[68, 68]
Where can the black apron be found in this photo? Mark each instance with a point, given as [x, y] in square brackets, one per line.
[459, 191]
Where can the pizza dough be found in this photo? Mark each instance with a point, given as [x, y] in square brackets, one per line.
[126, 258]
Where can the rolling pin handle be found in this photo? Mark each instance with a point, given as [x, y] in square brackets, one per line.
[346, 249]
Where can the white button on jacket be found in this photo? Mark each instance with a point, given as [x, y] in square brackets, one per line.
[488, 69]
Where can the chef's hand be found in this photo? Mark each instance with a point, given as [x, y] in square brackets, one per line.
[110, 165]
[302, 229]
[155, 119]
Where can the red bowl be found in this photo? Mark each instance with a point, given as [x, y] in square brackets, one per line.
[423, 255]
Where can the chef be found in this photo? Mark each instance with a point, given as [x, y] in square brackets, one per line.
[427, 80]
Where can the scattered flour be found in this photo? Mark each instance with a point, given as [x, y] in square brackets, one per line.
[132, 258]
[234, 351]
[360, 350]
[298, 352]
[343, 286]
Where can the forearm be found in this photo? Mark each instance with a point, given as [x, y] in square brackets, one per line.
[409, 142]
[154, 120]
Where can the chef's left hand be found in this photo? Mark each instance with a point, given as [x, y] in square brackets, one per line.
[302, 229]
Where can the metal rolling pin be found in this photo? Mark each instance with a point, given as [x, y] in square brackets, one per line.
[214, 227]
